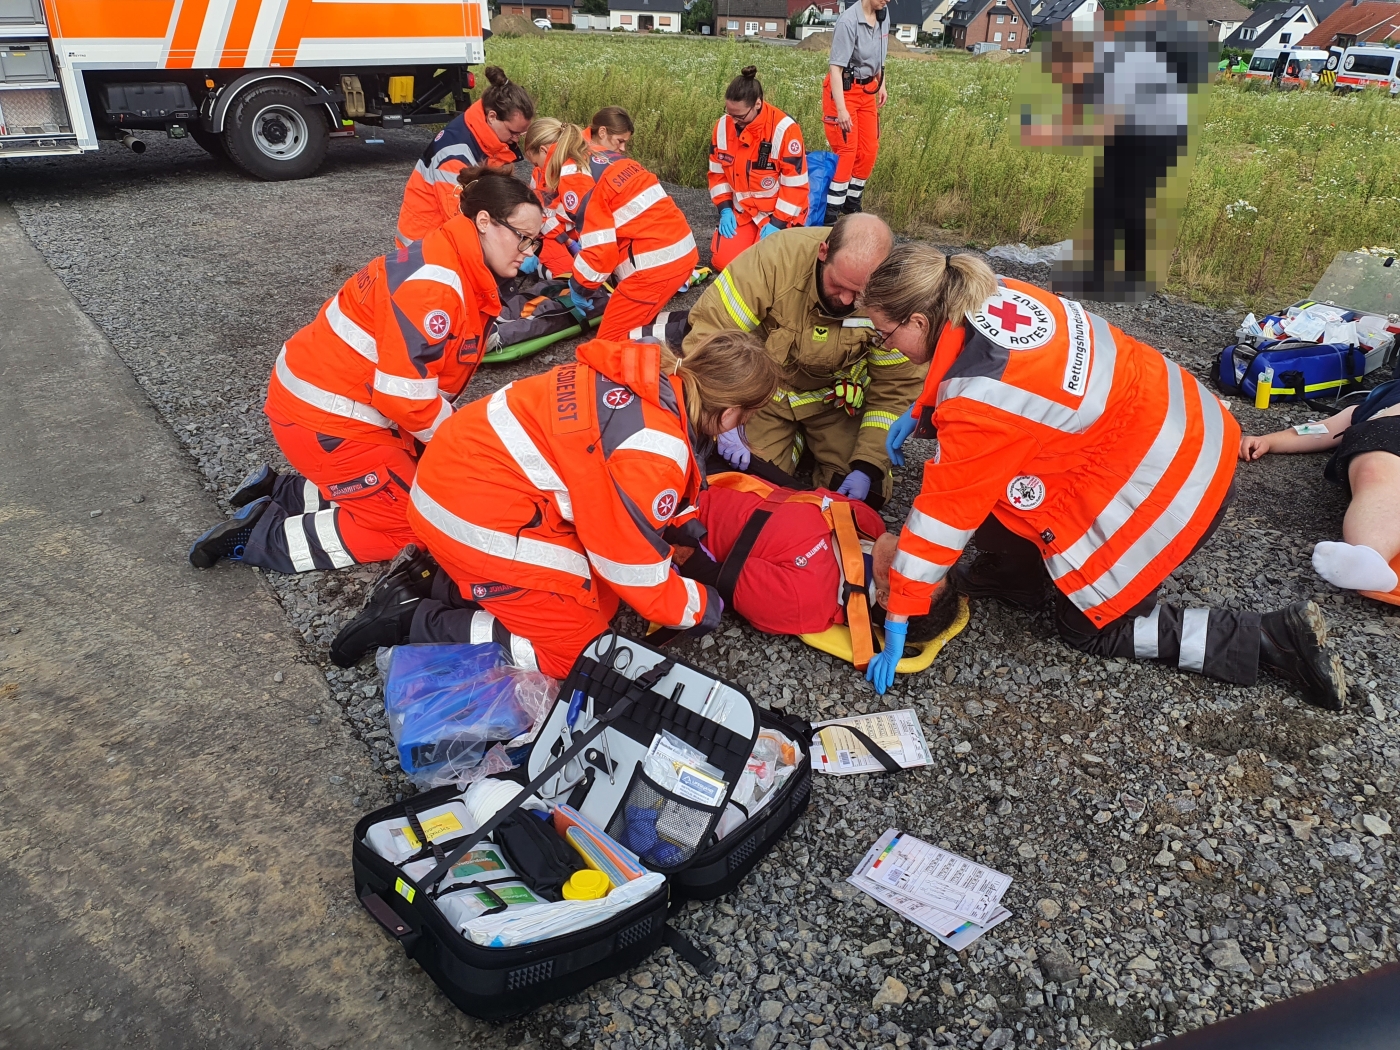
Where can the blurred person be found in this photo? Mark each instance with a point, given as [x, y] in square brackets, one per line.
[758, 170]
[356, 394]
[852, 96]
[1084, 463]
[798, 290]
[1365, 444]
[559, 496]
[484, 135]
[1127, 87]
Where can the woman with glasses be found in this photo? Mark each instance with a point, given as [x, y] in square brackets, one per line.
[627, 228]
[758, 170]
[356, 394]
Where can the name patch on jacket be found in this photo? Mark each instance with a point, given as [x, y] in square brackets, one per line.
[1078, 359]
[1014, 320]
[467, 350]
[572, 410]
[485, 591]
[356, 486]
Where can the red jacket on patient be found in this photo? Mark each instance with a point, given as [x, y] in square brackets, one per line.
[791, 582]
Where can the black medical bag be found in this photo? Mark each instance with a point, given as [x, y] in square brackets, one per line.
[634, 692]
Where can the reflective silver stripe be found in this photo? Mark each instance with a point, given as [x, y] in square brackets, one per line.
[717, 169]
[722, 132]
[444, 411]
[350, 333]
[660, 257]
[335, 404]
[638, 204]
[691, 615]
[660, 443]
[439, 274]
[568, 168]
[631, 574]
[310, 497]
[1169, 524]
[857, 322]
[481, 630]
[917, 569]
[1039, 409]
[595, 237]
[404, 239]
[398, 386]
[329, 535]
[793, 180]
[522, 653]
[298, 547]
[1136, 489]
[1194, 625]
[523, 450]
[587, 272]
[786, 208]
[935, 531]
[523, 549]
[780, 129]
[721, 190]
[1145, 635]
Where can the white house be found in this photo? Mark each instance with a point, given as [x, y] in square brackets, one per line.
[1273, 25]
[646, 16]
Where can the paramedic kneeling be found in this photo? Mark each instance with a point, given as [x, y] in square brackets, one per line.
[1074, 454]
[547, 502]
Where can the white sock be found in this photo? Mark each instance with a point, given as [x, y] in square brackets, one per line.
[1353, 567]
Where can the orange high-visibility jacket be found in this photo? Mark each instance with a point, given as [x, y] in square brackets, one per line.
[432, 195]
[625, 220]
[564, 480]
[1092, 445]
[760, 172]
[554, 251]
[389, 352]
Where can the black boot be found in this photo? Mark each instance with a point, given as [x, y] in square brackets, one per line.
[227, 539]
[851, 207]
[988, 576]
[1291, 645]
[388, 614]
[255, 486]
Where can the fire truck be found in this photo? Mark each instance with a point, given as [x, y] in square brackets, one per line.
[265, 83]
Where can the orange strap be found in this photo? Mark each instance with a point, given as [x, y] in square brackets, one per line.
[857, 601]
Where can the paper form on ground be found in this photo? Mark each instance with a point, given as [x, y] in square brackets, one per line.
[839, 752]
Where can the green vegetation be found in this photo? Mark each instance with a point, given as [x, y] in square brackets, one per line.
[1281, 182]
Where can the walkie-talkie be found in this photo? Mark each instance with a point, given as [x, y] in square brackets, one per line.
[765, 148]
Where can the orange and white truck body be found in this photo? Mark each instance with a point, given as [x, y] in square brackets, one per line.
[76, 71]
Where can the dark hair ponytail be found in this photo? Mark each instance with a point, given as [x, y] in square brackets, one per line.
[504, 98]
[746, 87]
[494, 191]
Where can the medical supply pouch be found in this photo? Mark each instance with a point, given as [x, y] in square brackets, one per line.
[1301, 371]
[637, 761]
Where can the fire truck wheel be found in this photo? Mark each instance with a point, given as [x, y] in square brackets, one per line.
[275, 132]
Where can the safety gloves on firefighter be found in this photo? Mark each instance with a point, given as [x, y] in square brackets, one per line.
[728, 225]
[848, 391]
[880, 672]
[856, 485]
[734, 447]
[899, 433]
[529, 264]
[766, 230]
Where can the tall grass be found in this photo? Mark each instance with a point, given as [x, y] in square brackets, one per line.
[1316, 173]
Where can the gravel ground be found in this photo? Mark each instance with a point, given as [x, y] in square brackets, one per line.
[1182, 850]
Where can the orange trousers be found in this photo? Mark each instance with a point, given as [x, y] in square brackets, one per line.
[556, 258]
[856, 149]
[724, 250]
[640, 296]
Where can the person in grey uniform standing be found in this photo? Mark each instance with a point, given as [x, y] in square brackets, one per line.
[852, 96]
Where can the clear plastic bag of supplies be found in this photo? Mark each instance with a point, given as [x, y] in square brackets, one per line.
[454, 709]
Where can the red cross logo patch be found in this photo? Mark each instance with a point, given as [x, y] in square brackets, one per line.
[1014, 320]
[618, 397]
[437, 324]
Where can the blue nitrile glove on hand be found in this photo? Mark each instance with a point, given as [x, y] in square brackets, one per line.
[899, 433]
[766, 230]
[530, 264]
[728, 225]
[856, 485]
[880, 672]
[574, 247]
[734, 447]
[578, 301]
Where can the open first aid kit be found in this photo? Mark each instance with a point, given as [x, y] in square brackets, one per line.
[650, 783]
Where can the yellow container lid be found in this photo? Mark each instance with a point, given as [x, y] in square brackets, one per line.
[586, 885]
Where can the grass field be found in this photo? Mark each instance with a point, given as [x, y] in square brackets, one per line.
[1281, 182]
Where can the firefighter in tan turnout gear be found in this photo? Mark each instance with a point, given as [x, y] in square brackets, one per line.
[798, 289]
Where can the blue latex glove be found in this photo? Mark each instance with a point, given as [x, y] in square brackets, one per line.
[734, 447]
[728, 225]
[574, 247]
[581, 299]
[856, 485]
[899, 433]
[880, 672]
[530, 264]
[766, 230]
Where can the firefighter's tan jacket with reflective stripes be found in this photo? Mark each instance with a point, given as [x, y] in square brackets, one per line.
[771, 289]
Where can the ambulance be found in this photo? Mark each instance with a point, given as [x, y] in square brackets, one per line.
[1301, 67]
[1367, 67]
[265, 83]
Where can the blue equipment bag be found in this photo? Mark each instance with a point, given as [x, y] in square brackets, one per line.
[820, 168]
[1303, 371]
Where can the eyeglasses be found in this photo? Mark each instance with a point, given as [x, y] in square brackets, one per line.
[747, 118]
[530, 245]
[882, 338]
